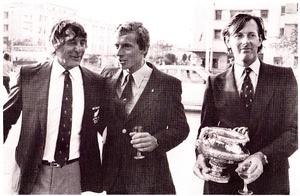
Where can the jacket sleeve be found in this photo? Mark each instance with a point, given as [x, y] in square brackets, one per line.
[208, 113]
[287, 143]
[13, 106]
[177, 128]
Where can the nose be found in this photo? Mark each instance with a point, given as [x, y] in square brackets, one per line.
[120, 51]
[245, 39]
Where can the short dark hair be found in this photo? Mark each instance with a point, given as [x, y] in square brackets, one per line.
[143, 39]
[64, 29]
[239, 21]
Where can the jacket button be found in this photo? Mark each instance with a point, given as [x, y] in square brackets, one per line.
[124, 131]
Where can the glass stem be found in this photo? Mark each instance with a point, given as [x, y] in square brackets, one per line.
[245, 189]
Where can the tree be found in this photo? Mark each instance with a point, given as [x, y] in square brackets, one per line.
[287, 47]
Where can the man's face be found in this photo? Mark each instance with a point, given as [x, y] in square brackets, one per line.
[129, 54]
[244, 44]
[71, 52]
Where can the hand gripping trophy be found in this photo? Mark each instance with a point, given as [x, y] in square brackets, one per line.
[222, 146]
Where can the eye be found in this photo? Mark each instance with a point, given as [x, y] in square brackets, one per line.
[117, 46]
[127, 46]
[238, 35]
[71, 42]
[83, 43]
[252, 35]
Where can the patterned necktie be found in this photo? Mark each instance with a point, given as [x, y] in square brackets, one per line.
[247, 90]
[65, 125]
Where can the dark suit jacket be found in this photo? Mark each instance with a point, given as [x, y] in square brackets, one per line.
[272, 124]
[160, 112]
[30, 96]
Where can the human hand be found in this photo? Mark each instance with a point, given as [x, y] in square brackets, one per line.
[255, 164]
[143, 141]
[200, 167]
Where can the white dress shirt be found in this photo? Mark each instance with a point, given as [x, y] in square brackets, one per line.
[240, 74]
[141, 78]
[54, 110]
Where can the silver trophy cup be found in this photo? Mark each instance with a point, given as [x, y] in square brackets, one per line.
[222, 146]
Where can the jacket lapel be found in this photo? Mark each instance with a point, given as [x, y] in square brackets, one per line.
[148, 95]
[264, 91]
[42, 85]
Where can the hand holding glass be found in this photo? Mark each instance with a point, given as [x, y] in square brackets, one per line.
[244, 175]
[138, 129]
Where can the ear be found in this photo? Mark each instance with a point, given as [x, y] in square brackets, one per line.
[260, 40]
[226, 40]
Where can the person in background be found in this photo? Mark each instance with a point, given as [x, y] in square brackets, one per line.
[259, 96]
[62, 110]
[147, 119]
[7, 66]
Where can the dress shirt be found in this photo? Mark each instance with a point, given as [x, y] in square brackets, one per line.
[239, 74]
[141, 78]
[54, 110]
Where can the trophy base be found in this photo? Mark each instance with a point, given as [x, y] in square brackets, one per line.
[139, 157]
[217, 178]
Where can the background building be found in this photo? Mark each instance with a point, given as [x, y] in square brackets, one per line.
[281, 24]
[27, 26]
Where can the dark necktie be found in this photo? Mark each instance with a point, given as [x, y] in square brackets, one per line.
[127, 92]
[127, 95]
[65, 125]
[247, 91]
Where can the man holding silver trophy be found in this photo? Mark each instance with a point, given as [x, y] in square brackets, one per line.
[262, 99]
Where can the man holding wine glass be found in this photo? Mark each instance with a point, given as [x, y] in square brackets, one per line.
[147, 119]
[261, 97]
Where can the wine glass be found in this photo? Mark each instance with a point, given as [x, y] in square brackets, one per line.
[138, 129]
[244, 175]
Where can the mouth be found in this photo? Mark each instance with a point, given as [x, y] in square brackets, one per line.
[122, 61]
[77, 58]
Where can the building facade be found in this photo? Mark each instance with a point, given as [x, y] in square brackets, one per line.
[281, 24]
[27, 27]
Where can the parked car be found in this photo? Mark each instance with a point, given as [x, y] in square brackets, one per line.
[193, 80]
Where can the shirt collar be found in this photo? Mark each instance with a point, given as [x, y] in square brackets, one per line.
[139, 75]
[58, 69]
[239, 69]
[143, 72]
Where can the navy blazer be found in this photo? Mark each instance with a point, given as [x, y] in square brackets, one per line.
[272, 124]
[30, 96]
[160, 111]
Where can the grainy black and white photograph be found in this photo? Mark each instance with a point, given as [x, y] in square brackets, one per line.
[140, 97]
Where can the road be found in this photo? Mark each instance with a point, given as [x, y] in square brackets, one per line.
[182, 159]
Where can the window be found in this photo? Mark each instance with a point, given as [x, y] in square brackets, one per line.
[282, 10]
[215, 64]
[5, 40]
[281, 32]
[264, 14]
[217, 34]
[5, 28]
[218, 15]
[277, 61]
[234, 12]
[5, 14]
